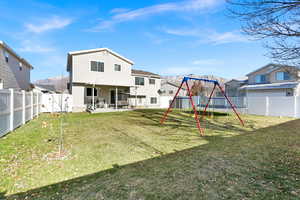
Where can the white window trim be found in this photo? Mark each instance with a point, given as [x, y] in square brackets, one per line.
[1, 84]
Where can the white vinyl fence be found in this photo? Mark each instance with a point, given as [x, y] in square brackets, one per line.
[268, 106]
[16, 108]
[56, 103]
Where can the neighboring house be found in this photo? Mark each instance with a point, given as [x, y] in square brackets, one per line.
[14, 70]
[169, 88]
[50, 89]
[103, 78]
[232, 87]
[145, 90]
[273, 80]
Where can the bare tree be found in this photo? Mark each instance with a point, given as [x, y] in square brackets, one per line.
[275, 21]
[197, 88]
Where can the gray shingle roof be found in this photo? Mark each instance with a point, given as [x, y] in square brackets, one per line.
[285, 85]
[141, 72]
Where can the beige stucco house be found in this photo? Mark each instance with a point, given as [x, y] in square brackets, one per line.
[232, 87]
[14, 70]
[102, 78]
[169, 88]
[273, 80]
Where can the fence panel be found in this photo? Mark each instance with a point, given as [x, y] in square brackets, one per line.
[4, 112]
[56, 103]
[297, 107]
[18, 109]
[27, 106]
[281, 106]
[256, 105]
[35, 104]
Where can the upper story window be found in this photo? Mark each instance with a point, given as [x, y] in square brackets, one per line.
[20, 66]
[139, 81]
[117, 67]
[97, 66]
[6, 55]
[282, 76]
[260, 78]
[152, 81]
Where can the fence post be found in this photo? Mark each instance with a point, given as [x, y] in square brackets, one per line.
[37, 104]
[295, 107]
[23, 106]
[11, 110]
[245, 105]
[267, 106]
[31, 108]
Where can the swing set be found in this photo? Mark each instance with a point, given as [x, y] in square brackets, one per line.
[216, 84]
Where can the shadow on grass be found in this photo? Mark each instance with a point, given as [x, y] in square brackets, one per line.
[214, 113]
[256, 165]
[2, 197]
[184, 119]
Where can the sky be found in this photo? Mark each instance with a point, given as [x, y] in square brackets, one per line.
[168, 37]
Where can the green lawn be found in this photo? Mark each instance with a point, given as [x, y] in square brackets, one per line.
[129, 155]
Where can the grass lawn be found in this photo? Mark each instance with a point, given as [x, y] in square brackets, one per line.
[128, 155]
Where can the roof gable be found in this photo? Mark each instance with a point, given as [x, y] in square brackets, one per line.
[72, 53]
[11, 51]
[270, 68]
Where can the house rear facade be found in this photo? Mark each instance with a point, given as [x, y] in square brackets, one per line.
[14, 70]
[232, 87]
[102, 78]
[273, 80]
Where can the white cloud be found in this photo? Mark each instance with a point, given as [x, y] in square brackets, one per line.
[226, 37]
[209, 36]
[119, 10]
[35, 47]
[48, 24]
[155, 38]
[183, 6]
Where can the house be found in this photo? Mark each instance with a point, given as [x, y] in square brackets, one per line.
[232, 87]
[145, 89]
[14, 70]
[169, 88]
[102, 78]
[50, 89]
[273, 80]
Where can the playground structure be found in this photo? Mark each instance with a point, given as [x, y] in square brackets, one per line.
[216, 84]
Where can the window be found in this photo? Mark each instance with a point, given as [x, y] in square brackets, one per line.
[97, 66]
[260, 79]
[152, 81]
[20, 66]
[1, 83]
[153, 100]
[117, 67]
[89, 92]
[282, 76]
[140, 100]
[289, 92]
[139, 81]
[6, 55]
[171, 91]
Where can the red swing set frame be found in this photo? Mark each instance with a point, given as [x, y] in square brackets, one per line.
[216, 84]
